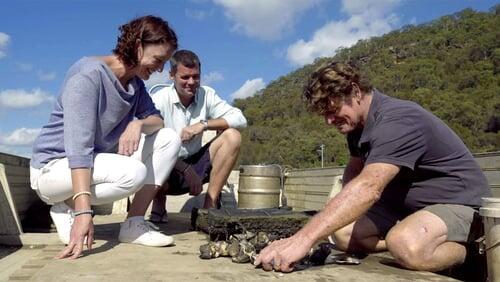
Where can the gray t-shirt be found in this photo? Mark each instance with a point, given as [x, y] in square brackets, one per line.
[90, 114]
[436, 166]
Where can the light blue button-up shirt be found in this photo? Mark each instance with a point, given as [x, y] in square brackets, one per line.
[205, 106]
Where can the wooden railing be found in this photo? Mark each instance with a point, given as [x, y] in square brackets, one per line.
[309, 189]
[305, 189]
[16, 195]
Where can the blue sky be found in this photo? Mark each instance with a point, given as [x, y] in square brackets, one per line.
[243, 44]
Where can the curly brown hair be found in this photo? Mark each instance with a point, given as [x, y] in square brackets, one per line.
[330, 85]
[149, 30]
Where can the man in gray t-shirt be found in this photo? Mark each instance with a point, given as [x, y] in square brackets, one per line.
[435, 166]
[411, 186]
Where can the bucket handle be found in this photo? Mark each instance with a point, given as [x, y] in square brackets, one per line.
[482, 245]
[283, 171]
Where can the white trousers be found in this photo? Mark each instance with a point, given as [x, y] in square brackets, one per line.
[113, 176]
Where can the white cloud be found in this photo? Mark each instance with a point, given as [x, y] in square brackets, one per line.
[158, 78]
[249, 88]
[24, 67]
[4, 41]
[46, 76]
[213, 76]
[198, 15]
[19, 137]
[265, 19]
[375, 8]
[367, 18]
[20, 98]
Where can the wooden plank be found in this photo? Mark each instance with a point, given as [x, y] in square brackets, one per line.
[7, 159]
[23, 201]
[307, 207]
[308, 188]
[17, 170]
[297, 205]
[314, 172]
[309, 197]
[18, 180]
[21, 191]
[319, 198]
[488, 160]
[314, 206]
[495, 191]
[23, 198]
[10, 224]
[492, 175]
[310, 193]
[328, 180]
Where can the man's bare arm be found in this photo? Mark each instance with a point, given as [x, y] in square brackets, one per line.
[353, 169]
[353, 201]
[357, 196]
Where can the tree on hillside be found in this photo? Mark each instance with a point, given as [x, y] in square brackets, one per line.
[450, 66]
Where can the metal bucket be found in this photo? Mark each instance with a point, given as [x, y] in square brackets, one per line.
[490, 211]
[259, 186]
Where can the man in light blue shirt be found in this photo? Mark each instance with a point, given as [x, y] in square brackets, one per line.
[190, 109]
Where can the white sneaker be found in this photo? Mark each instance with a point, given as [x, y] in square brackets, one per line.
[139, 231]
[61, 216]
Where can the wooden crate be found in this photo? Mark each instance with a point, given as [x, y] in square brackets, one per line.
[307, 189]
[310, 189]
[16, 194]
[10, 223]
[490, 164]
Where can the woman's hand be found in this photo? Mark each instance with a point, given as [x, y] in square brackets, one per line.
[130, 138]
[83, 226]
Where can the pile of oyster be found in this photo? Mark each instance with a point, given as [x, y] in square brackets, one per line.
[243, 248]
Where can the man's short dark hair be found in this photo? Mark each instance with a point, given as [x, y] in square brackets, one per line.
[186, 58]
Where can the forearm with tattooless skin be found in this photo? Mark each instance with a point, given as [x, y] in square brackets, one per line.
[352, 201]
[216, 124]
[151, 124]
[80, 178]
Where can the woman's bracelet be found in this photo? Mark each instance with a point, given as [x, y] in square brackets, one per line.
[77, 213]
[81, 193]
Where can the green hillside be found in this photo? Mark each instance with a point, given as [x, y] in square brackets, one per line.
[450, 66]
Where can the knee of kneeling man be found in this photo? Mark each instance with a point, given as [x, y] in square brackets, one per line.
[233, 136]
[396, 241]
[404, 251]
